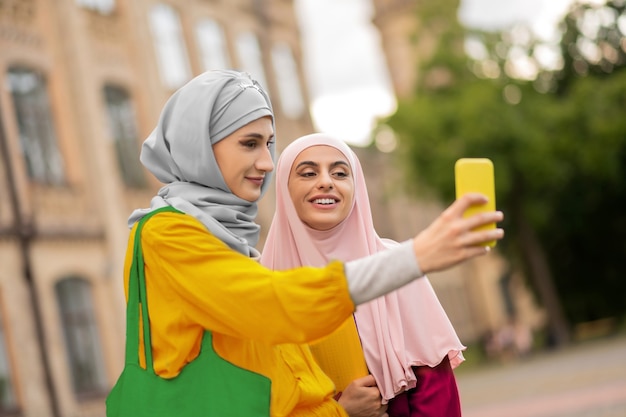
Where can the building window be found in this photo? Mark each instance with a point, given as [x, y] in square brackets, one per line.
[81, 336]
[288, 80]
[8, 401]
[123, 131]
[212, 45]
[36, 129]
[100, 6]
[249, 54]
[169, 44]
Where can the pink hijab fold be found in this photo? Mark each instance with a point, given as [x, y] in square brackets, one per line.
[405, 328]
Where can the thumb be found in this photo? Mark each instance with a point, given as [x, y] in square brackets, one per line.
[368, 381]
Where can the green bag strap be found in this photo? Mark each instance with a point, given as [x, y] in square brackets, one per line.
[137, 297]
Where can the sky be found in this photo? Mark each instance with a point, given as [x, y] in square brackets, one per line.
[347, 75]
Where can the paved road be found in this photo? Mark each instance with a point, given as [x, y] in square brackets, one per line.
[587, 380]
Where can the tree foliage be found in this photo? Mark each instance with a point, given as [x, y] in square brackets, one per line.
[558, 143]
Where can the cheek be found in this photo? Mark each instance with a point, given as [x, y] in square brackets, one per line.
[296, 191]
[349, 204]
[299, 206]
[348, 195]
[303, 208]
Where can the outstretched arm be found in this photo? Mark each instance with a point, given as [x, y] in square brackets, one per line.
[446, 242]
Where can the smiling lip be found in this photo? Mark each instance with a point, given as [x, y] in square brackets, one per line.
[324, 200]
[256, 180]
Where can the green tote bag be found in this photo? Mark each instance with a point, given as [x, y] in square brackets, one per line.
[209, 386]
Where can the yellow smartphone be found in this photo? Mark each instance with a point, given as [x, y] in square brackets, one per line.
[476, 175]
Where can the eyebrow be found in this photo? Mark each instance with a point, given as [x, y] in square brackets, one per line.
[259, 136]
[315, 164]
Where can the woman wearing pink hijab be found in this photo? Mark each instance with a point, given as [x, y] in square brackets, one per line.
[409, 345]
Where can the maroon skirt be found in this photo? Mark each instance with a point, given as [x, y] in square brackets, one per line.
[435, 395]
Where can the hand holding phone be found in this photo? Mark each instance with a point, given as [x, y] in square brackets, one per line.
[476, 175]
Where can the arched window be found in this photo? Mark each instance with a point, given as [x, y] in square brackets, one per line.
[36, 129]
[212, 45]
[289, 89]
[121, 116]
[249, 54]
[169, 43]
[82, 342]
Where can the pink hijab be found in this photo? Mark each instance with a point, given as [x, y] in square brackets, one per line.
[405, 328]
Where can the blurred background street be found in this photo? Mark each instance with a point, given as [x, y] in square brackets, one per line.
[584, 380]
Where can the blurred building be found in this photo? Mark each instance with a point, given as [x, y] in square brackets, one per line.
[397, 23]
[83, 84]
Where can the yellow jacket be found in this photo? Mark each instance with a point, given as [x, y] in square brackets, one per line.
[260, 320]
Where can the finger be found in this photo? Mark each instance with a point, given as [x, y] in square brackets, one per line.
[475, 251]
[481, 219]
[465, 201]
[367, 381]
[382, 411]
[479, 238]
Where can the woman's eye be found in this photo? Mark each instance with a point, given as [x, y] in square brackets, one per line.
[341, 174]
[250, 144]
[307, 174]
[270, 143]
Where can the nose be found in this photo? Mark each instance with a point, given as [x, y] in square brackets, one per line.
[324, 181]
[265, 162]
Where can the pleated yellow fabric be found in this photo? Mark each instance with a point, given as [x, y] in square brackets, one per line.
[340, 355]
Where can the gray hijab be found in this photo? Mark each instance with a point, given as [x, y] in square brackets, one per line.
[179, 152]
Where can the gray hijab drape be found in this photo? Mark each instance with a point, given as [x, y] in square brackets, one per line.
[179, 152]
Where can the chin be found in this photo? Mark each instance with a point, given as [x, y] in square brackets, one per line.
[250, 197]
[323, 226]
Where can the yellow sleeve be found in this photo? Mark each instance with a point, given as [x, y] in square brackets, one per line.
[200, 281]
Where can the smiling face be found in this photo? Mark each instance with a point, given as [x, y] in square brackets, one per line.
[244, 158]
[321, 186]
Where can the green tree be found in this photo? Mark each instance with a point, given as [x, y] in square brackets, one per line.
[558, 142]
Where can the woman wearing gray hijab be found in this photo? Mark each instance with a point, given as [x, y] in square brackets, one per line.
[225, 335]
